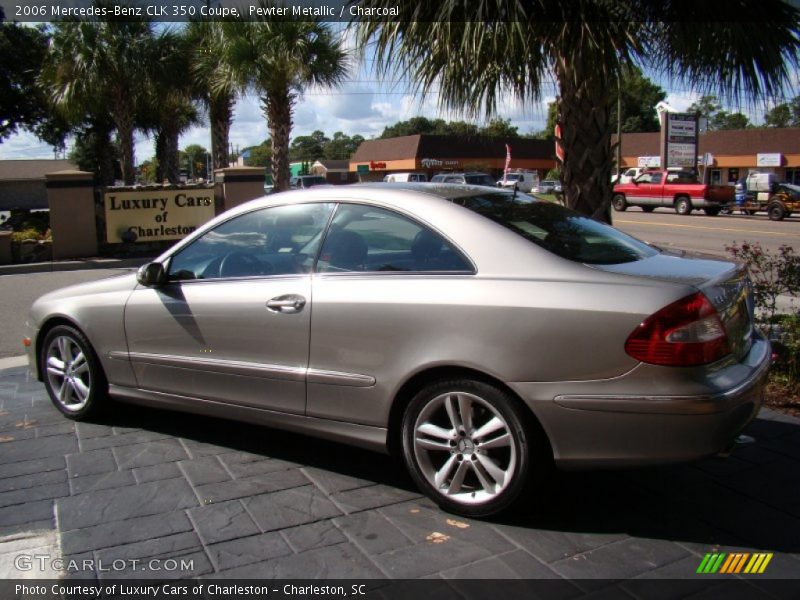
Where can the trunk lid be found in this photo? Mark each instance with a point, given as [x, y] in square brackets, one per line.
[726, 284]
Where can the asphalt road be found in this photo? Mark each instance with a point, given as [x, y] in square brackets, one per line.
[17, 293]
[701, 233]
[664, 228]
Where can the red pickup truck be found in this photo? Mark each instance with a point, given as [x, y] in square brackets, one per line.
[675, 189]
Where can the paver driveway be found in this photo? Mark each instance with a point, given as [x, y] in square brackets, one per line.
[250, 502]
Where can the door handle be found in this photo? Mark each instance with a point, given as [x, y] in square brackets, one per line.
[290, 303]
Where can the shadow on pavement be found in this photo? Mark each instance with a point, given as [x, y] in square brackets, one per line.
[749, 500]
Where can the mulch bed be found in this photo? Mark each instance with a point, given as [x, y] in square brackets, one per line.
[783, 397]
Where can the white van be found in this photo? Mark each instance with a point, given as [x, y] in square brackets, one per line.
[525, 182]
[405, 177]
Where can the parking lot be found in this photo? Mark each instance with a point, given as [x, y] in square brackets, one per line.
[236, 501]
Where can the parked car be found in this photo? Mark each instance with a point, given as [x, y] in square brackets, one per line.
[523, 181]
[677, 189]
[307, 181]
[478, 337]
[405, 177]
[548, 186]
[473, 178]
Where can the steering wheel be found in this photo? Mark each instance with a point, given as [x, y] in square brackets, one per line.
[241, 264]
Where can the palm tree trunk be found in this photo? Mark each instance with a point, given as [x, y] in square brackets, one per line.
[583, 114]
[125, 137]
[172, 166]
[161, 156]
[278, 107]
[104, 154]
[220, 114]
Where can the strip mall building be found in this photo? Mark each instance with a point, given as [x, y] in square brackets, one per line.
[733, 153]
[433, 154]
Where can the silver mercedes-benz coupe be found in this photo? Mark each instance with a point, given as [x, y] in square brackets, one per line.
[479, 334]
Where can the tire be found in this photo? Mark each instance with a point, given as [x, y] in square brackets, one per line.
[648, 209]
[456, 468]
[683, 206]
[711, 212]
[72, 374]
[619, 203]
[776, 212]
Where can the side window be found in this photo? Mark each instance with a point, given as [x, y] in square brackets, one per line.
[673, 178]
[368, 239]
[655, 178]
[279, 240]
[644, 178]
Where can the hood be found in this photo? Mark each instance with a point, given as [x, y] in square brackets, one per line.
[115, 283]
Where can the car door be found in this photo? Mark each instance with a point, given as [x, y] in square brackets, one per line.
[384, 285]
[231, 324]
[648, 190]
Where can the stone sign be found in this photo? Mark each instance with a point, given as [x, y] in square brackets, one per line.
[150, 215]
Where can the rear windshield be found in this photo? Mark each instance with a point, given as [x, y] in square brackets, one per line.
[479, 180]
[559, 230]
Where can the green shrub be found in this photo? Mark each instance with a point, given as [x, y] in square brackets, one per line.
[775, 274]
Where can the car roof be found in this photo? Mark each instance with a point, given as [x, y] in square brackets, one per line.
[488, 244]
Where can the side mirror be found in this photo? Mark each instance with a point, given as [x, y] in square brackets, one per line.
[152, 274]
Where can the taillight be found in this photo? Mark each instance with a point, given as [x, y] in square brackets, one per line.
[685, 333]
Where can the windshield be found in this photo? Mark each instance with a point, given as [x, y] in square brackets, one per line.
[559, 230]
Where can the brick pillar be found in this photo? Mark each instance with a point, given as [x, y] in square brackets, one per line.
[240, 184]
[70, 195]
[5, 248]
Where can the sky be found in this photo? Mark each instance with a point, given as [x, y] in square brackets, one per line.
[363, 105]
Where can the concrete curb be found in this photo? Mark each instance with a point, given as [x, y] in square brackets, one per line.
[13, 362]
[74, 265]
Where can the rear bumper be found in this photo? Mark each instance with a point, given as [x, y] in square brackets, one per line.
[608, 430]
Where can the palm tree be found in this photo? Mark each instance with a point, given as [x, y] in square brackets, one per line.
[514, 48]
[169, 105]
[216, 81]
[81, 109]
[104, 64]
[278, 59]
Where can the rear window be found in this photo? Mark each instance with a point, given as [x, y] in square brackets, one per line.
[559, 230]
[479, 180]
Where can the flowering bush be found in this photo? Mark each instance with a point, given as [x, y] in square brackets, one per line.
[774, 275]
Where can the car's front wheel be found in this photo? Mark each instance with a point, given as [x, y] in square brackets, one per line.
[466, 445]
[619, 203]
[72, 374]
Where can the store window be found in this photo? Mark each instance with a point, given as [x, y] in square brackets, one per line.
[793, 176]
[733, 175]
[716, 177]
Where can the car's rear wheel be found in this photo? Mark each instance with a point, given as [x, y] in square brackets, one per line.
[683, 206]
[776, 212]
[73, 376]
[466, 446]
[619, 203]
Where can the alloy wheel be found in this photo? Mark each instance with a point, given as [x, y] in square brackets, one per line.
[464, 448]
[68, 373]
